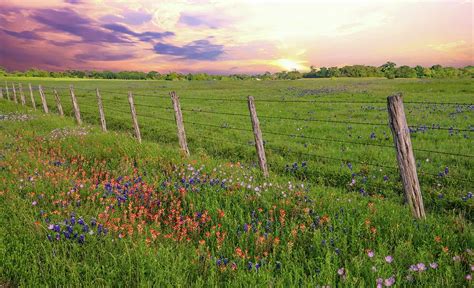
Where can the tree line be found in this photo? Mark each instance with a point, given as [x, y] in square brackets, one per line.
[388, 70]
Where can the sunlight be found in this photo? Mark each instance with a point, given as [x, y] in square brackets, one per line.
[289, 65]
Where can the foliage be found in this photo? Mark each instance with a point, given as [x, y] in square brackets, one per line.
[388, 70]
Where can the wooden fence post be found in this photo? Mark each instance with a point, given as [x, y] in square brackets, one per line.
[178, 116]
[134, 117]
[43, 99]
[58, 103]
[75, 106]
[22, 96]
[32, 97]
[6, 89]
[1, 92]
[14, 93]
[405, 158]
[262, 160]
[101, 111]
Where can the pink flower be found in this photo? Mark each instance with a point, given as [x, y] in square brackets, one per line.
[390, 281]
[379, 282]
[434, 265]
[468, 277]
[389, 259]
[34, 203]
[370, 253]
[341, 271]
[421, 267]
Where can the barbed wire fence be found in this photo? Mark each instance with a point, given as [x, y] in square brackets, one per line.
[401, 130]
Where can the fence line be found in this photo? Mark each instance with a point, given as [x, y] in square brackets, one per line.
[407, 170]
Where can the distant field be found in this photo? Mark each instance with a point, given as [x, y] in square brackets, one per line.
[335, 100]
[82, 208]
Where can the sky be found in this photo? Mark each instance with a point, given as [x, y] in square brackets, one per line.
[232, 36]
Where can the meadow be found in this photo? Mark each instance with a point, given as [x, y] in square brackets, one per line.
[85, 208]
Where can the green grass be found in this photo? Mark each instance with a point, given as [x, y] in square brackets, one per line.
[377, 221]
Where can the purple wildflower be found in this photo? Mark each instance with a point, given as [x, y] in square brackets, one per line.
[389, 259]
[370, 253]
[434, 265]
[389, 281]
[414, 268]
[421, 267]
[379, 282]
[34, 203]
[341, 271]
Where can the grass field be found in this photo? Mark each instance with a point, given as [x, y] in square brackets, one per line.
[332, 215]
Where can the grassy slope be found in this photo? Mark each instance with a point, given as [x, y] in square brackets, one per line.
[320, 229]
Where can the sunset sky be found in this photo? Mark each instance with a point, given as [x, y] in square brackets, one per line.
[232, 36]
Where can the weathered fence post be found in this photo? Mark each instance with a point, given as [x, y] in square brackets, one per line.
[33, 103]
[178, 116]
[22, 96]
[262, 160]
[405, 158]
[1, 92]
[14, 93]
[6, 89]
[134, 117]
[75, 106]
[43, 99]
[58, 103]
[101, 111]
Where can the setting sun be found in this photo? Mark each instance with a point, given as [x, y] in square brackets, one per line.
[290, 65]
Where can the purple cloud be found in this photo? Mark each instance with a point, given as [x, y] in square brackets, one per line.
[66, 20]
[196, 50]
[73, 1]
[211, 20]
[145, 36]
[103, 57]
[27, 35]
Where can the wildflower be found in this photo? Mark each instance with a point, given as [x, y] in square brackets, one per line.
[414, 268]
[81, 239]
[379, 282]
[390, 281]
[250, 265]
[456, 258]
[257, 266]
[421, 267]
[468, 277]
[34, 203]
[50, 238]
[434, 265]
[341, 272]
[389, 259]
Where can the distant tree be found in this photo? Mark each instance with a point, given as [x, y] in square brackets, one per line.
[334, 72]
[388, 69]
[419, 70]
[154, 75]
[405, 72]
